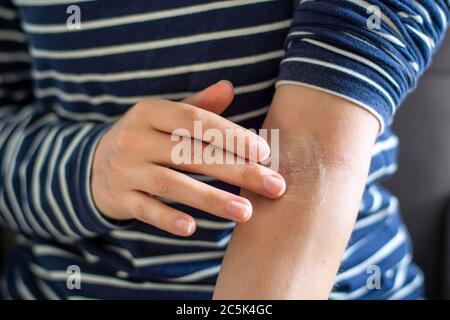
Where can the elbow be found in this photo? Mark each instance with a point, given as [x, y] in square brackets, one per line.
[314, 160]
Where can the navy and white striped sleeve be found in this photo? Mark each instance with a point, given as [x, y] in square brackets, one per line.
[44, 160]
[331, 47]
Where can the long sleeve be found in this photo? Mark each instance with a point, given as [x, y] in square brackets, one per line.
[45, 161]
[337, 46]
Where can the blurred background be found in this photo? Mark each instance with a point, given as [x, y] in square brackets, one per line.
[422, 182]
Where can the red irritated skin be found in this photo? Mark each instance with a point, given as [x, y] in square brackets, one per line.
[292, 247]
[132, 163]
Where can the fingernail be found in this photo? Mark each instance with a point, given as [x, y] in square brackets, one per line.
[184, 226]
[227, 82]
[238, 210]
[274, 185]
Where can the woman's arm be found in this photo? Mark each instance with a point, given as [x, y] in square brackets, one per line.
[292, 247]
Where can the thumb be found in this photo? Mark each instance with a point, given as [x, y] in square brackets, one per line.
[216, 98]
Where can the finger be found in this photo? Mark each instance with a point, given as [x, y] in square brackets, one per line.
[251, 176]
[178, 187]
[180, 119]
[215, 98]
[151, 211]
[223, 166]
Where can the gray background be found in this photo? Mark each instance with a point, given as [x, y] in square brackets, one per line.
[423, 180]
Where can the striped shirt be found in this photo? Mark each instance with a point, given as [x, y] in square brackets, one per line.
[62, 87]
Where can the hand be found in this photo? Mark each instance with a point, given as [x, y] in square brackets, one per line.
[132, 163]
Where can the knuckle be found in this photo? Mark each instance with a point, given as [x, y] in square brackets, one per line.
[250, 172]
[143, 105]
[125, 139]
[141, 211]
[142, 110]
[163, 183]
[138, 108]
[193, 115]
[215, 199]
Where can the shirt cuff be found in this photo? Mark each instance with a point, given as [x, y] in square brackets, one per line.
[90, 216]
[337, 75]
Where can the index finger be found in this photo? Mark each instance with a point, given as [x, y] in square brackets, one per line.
[183, 119]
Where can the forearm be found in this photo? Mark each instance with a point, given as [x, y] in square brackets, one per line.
[292, 247]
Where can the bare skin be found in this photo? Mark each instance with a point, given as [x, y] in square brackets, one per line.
[292, 246]
[132, 163]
